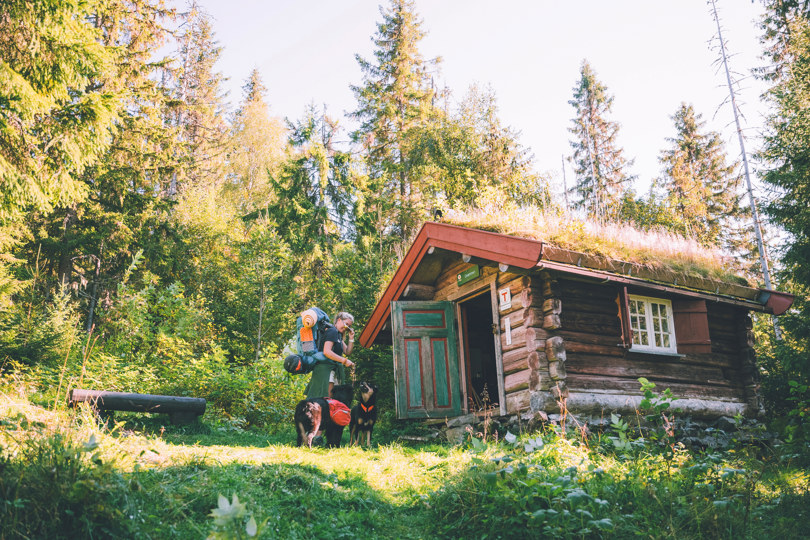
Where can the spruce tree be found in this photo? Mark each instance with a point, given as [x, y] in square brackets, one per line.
[785, 158]
[781, 26]
[393, 101]
[315, 191]
[786, 148]
[200, 113]
[702, 190]
[87, 244]
[599, 163]
[468, 158]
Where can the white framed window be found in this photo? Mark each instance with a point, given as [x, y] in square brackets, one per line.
[653, 324]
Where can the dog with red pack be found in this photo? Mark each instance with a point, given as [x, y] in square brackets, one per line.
[364, 415]
[329, 415]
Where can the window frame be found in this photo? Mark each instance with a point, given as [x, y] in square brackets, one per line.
[670, 317]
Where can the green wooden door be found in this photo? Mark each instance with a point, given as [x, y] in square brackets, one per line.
[425, 360]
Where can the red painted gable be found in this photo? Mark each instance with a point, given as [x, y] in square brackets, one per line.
[501, 248]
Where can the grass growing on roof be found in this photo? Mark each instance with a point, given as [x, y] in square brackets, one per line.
[655, 249]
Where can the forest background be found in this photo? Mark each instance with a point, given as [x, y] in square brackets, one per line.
[154, 241]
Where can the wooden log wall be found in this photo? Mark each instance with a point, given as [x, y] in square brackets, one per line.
[731, 330]
[566, 334]
[596, 360]
[525, 365]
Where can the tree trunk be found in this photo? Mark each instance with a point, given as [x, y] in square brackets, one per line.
[262, 296]
[65, 270]
[94, 294]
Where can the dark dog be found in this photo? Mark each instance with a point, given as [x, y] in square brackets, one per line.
[312, 415]
[364, 414]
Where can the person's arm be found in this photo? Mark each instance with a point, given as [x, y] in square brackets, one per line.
[332, 355]
[349, 341]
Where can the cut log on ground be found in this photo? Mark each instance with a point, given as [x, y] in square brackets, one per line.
[181, 410]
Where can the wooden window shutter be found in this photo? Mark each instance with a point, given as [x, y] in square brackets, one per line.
[623, 301]
[691, 326]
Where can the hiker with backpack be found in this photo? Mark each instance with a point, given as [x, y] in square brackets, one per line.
[326, 374]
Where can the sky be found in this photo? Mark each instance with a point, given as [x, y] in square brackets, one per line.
[651, 54]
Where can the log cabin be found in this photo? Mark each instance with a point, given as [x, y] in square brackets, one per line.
[479, 319]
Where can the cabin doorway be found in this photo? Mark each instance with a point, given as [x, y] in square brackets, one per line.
[480, 358]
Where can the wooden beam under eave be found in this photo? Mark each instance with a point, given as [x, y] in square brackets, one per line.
[419, 292]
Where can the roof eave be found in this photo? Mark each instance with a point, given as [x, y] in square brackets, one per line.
[528, 254]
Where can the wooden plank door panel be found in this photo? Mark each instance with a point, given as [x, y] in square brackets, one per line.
[425, 360]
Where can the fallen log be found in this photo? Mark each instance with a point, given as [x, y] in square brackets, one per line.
[181, 410]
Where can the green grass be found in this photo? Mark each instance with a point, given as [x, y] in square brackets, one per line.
[61, 476]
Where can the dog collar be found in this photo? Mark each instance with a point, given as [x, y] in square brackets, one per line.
[366, 409]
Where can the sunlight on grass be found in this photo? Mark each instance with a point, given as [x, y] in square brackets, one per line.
[397, 471]
[551, 483]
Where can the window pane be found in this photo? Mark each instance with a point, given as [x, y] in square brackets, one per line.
[651, 323]
[660, 325]
[638, 322]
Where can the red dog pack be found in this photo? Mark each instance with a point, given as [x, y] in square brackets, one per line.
[339, 412]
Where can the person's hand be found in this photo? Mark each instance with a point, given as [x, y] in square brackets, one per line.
[350, 331]
[349, 363]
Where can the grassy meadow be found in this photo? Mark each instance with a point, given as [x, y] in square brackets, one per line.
[64, 476]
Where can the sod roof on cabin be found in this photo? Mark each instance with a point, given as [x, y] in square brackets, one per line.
[618, 248]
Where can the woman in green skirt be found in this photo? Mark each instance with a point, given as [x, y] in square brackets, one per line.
[327, 374]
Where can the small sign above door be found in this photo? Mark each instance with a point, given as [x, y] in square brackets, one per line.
[468, 275]
[505, 298]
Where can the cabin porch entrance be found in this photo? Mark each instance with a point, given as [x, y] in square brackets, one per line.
[479, 348]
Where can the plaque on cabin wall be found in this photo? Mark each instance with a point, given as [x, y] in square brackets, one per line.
[505, 298]
[469, 274]
[508, 328]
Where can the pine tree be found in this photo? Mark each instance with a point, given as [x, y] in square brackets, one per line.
[256, 149]
[393, 101]
[702, 191]
[599, 163]
[56, 111]
[88, 243]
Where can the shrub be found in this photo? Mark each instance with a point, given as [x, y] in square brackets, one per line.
[258, 394]
[37, 332]
[57, 487]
